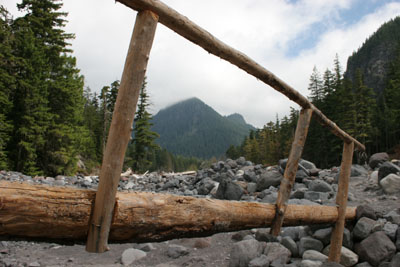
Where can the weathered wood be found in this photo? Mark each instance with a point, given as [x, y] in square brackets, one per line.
[291, 168]
[42, 211]
[341, 201]
[194, 33]
[120, 130]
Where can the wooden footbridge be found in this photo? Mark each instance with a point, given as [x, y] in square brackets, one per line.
[39, 211]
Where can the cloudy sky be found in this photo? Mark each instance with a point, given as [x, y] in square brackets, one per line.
[288, 37]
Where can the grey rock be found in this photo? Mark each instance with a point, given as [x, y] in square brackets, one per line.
[291, 245]
[310, 263]
[130, 255]
[267, 179]
[314, 255]
[390, 230]
[277, 253]
[307, 243]
[315, 196]
[296, 201]
[332, 264]
[319, 186]
[393, 217]
[264, 236]
[384, 264]
[390, 184]
[251, 188]
[364, 264]
[292, 232]
[229, 190]
[244, 251]
[358, 171]
[129, 185]
[365, 211]
[398, 239]
[299, 193]
[238, 236]
[377, 159]
[347, 257]
[261, 261]
[205, 187]
[368, 250]
[323, 235]
[241, 161]
[387, 168]
[363, 228]
[176, 251]
[307, 164]
[270, 198]
[147, 247]
[395, 261]
[34, 264]
[250, 176]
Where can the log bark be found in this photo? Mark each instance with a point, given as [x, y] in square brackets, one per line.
[291, 169]
[40, 211]
[341, 201]
[120, 130]
[194, 33]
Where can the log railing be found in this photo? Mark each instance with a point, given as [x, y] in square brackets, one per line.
[151, 12]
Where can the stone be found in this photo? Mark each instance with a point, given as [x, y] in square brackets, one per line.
[332, 264]
[363, 228]
[261, 261]
[147, 247]
[231, 163]
[270, 198]
[323, 235]
[319, 186]
[299, 193]
[263, 235]
[291, 245]
[374, 177]
[365, 211]
[364, 264]
[390, 230]
[307, 243]
[267, 179]
[229, 190]
[250, 176]
[376, 248]
[393, 217]
[316, 196]
[347, 257]
[202, 243]
[307, 164]
[241, 161]
[292, 232]
[130, 255]
[387, 168]
[309, 263]
[277, 253]
[205, 187]
[34, 264]
[244, 251]
[377, 159]
[176, 251]
[251, 188]
[358, 171]
[398, 239]
[390, 184]
[314, 255]
[238, 236]
[395, 262]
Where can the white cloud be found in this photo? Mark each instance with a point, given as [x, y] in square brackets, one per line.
[264, 30]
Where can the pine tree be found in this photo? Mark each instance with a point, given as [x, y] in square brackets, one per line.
[7, 84]
[316, 87]
[143, 141]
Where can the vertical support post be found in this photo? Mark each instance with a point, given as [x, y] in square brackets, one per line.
[291, 169]
[120, 130]
[341, 202]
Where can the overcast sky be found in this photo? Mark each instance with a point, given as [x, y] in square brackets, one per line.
[288, 37]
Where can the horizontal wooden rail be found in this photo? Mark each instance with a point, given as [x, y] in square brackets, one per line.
[194, 33]
[41, 211]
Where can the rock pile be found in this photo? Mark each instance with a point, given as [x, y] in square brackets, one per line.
[373, 240]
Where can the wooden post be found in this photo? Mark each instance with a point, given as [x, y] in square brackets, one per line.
[120, 130]
[341, 201]
[291, 169]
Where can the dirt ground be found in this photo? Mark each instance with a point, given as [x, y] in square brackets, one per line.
[209, 251]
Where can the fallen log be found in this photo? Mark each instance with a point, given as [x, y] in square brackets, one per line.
[40, 211]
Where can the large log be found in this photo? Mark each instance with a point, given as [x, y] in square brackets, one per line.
[194, 33]
[41, 211]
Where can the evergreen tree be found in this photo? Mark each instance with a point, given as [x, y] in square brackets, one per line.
[143, 141]
[7, 84]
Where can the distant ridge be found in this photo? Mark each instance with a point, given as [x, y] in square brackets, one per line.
[192, 128]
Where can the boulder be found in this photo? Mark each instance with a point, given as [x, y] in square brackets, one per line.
[347, 257]
[307, 243]
[244, 251]
[395, 261]
[289, 243]
[376, 248]
[310, 263]
[365, 211]
[130, 255]
[363, 228]
[390, 184]
[229, 190]
[387, 168]
[358, 171]
[323, 235]
[319, 186]
[277, 253]
[261, 261]
[314, 255]
[316, 196]
[263, 235]
[176, 251]
[267, 179]
[390, 230]
[377, 159]
[398, 239]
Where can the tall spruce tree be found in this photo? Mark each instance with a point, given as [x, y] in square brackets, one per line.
[48, 99]
[143, 144]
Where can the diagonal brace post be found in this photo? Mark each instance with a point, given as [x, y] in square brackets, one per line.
[120, 130]
[291, 169]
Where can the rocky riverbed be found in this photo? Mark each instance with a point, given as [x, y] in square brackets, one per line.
[372, 240]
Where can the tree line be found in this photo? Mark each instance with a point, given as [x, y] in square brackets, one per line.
[48, 119]
[370, 118]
